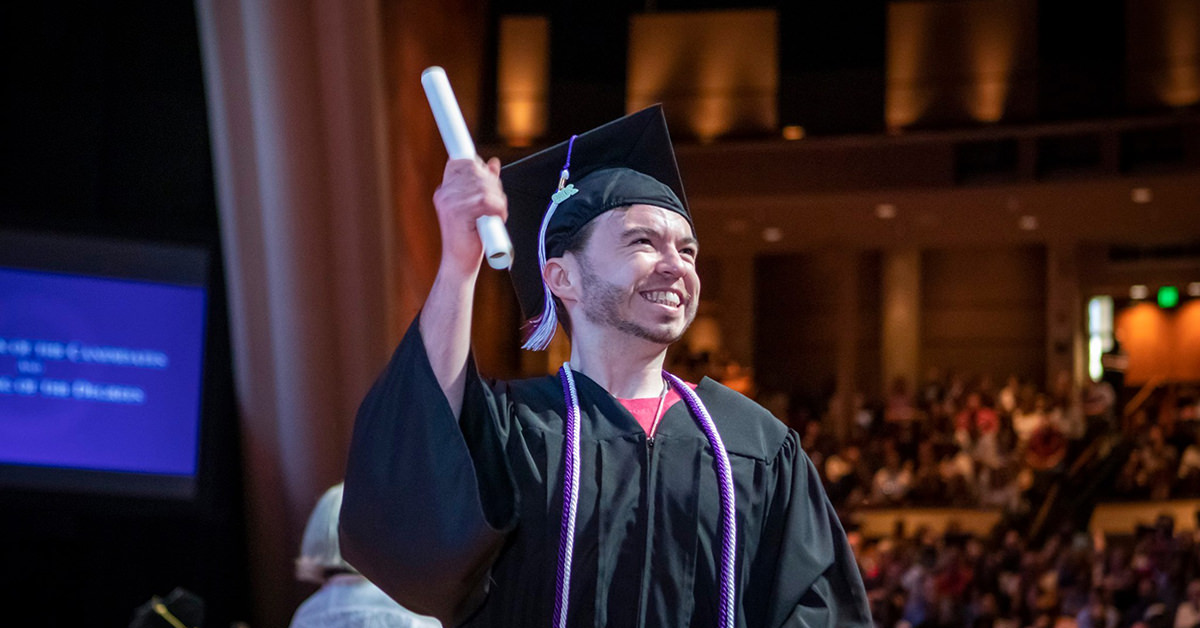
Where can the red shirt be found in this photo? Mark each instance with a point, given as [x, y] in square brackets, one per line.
[644, 409]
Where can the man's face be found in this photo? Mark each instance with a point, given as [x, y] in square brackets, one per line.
[638, 273]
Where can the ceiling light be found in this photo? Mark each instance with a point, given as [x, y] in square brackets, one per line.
[1139, 292]
[772, 234]
[885, 211]
[1141, 196]
[1193, 289]
[1027, 223]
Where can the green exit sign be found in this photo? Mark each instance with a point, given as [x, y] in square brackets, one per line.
[1168, 297]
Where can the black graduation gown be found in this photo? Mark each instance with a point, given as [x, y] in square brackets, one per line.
[460, 520]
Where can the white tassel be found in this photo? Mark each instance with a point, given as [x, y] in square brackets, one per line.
[546, 323]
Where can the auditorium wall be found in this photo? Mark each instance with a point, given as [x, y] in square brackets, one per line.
[983, 311]
[797, 321]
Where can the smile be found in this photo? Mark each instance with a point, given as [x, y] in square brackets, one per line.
[663, 297]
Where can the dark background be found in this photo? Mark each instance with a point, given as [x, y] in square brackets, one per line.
[103, 133]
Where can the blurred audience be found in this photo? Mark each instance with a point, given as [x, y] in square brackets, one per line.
[1042, 459]
[959, 442]
[1071, 579]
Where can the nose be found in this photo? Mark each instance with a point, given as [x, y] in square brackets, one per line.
[671, 263]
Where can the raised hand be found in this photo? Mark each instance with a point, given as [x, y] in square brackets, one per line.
[470, 188]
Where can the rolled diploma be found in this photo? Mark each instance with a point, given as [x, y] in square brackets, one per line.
[497, 247]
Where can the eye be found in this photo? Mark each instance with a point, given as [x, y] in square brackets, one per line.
[688, 251]
[641, 241]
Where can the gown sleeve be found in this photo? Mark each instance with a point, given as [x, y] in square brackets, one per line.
[428, 501]
[817, 581]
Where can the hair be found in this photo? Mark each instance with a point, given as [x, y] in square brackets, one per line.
[320, 553]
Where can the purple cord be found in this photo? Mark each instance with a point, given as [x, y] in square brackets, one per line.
[566, 170]
[566, 541]
[728, 508]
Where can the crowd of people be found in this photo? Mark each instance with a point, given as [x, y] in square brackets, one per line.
[968, 443]
[1149, 579]
[1041, 458]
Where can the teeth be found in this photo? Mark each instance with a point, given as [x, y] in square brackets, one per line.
[662, 296]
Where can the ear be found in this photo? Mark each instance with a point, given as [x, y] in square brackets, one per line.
[561, 275]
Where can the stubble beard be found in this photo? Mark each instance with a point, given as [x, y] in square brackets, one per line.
[601, 306]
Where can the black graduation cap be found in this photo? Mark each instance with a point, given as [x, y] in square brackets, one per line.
[624, 162]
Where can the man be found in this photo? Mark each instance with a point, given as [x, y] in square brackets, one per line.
[590, 499]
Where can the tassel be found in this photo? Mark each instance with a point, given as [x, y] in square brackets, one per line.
[539, 330]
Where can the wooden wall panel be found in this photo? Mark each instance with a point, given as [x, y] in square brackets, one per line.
[1143, 331]
[1187, 342]
[870, 311]
[796, 326]
[1160, 343]
[797, 322]
[983, 311]
[990, 323]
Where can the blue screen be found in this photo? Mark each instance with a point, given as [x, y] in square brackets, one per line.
[100, 373]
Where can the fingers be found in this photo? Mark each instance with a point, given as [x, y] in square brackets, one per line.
[493, 166]
[471, 189]
[461, 169]
[462, 166]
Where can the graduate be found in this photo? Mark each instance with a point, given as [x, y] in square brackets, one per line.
[612, 493]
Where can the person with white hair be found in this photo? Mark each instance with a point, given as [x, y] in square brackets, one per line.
[346, 598]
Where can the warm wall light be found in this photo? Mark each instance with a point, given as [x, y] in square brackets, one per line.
[522, 78]
[793, 132]
[1180, 86]
[992, 56]
[1193, 289]
[772, 234]
[1141, 196]
[958, 61]
[716, 72]
[1027, 223]
[1163, 48]
[1138, 292]
[885, 211]
[907, 46]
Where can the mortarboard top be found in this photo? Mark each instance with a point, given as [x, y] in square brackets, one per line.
[624, 162]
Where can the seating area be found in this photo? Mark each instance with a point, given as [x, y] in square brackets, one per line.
[959, 441]
[975, 503]
[1148, 576]
[970, 504]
